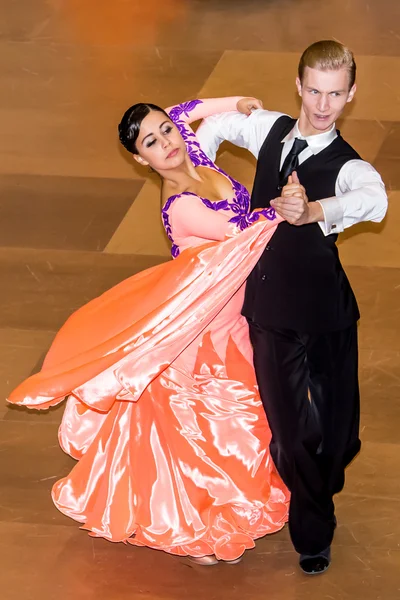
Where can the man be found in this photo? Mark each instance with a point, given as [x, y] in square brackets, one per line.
[301, 310]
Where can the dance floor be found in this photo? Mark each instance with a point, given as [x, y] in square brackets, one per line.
[76, 217]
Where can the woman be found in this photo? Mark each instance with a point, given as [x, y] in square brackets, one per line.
[163, 412]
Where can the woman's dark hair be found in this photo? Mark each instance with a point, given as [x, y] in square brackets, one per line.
[130, 124]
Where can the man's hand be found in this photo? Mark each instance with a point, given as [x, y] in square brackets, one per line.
[247, 105]
[293, 204]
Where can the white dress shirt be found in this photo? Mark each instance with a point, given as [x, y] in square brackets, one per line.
[359, 190]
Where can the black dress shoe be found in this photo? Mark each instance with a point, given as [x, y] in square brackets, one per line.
[315, 564]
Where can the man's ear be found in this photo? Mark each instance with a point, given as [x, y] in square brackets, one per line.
[140, 160]
[298, 85]
[352, 92]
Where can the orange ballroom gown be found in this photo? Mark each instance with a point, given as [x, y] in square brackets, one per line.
[162, 411]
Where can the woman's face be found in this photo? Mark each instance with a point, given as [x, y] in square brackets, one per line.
[159, 143]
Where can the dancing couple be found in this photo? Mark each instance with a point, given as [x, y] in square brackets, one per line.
[212, 398]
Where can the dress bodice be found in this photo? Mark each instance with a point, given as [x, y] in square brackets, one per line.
[235, 212]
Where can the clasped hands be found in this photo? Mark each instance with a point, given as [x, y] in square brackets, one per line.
[293, 204]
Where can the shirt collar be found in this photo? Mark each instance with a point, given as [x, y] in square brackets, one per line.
[317, 142]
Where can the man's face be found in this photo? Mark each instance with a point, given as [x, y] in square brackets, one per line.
[324, 95]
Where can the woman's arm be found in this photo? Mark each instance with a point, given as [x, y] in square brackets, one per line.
[194, 110]
[189, 216]
[183, 114]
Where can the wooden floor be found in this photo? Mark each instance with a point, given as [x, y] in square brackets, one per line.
[76, 217]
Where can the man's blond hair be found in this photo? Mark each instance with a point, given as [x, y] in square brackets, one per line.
[328, 55]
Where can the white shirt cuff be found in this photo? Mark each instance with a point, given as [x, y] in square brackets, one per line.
[333, 215]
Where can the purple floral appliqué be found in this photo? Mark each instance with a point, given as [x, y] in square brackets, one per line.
[244, 220]
[183, 109]
[197, 156]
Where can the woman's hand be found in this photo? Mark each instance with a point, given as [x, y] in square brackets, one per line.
[294, 188]
[247, 105]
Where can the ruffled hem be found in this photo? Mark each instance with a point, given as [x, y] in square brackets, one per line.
[227, 537]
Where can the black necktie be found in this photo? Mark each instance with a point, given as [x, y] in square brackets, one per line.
[291, 161]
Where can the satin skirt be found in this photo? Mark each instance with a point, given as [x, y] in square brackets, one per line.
[163, 413]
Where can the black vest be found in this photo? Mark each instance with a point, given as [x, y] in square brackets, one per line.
[299, 282]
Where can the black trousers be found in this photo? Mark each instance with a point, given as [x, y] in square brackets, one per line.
[309, 387]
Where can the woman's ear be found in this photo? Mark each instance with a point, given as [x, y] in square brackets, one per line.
[140, 160]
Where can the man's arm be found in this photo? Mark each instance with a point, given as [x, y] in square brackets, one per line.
[245, 131]
[360, 196]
